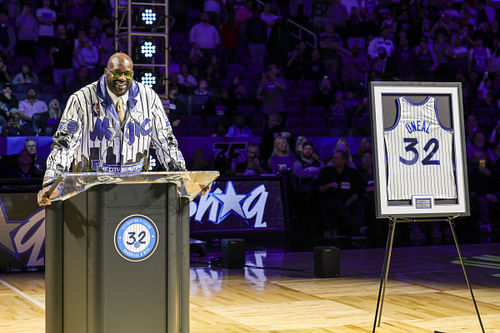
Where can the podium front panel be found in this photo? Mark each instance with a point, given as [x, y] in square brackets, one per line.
[102, 289]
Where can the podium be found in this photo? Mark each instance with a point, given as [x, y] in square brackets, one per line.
[117, 252]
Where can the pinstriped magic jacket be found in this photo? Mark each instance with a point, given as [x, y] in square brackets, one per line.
[90, 137]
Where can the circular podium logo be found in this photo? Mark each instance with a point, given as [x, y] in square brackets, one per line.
[136, 238]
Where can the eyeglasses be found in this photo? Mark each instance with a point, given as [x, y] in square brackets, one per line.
[118, 74]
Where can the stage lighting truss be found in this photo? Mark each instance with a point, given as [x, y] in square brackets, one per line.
[149, 79]
[148, 49]
[148, 16]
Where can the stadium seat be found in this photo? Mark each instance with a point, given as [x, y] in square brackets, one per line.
[212, 120]
[337, 126]
[315, 111]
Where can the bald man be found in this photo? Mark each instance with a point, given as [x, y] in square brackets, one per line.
[109, 125]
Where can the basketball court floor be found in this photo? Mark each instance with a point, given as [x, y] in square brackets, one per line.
[277, 292]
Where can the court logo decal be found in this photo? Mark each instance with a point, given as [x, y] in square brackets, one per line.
[136, 238]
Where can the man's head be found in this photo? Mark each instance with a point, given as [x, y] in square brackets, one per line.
[274, 119]
[54, 104]
[61, 31]
[83, 73]
[173, 92]
[253, 151]
[30, 146]
[339, 159]
[7, 89]
[4, 18]
[367, 160]
[24, 159]
[205, 18]
[31, 93]
[119, 73]
[307, 150]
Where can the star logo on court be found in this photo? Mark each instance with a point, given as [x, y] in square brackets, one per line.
[230, 201]
[6, 228]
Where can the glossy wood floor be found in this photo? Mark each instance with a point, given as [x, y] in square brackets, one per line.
[426, 293]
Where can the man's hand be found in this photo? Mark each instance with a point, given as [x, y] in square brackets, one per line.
[43, 196]
[48, 192]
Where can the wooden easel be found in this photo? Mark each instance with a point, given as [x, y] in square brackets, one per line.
[387, 260]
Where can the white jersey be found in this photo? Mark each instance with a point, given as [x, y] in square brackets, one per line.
[91, 138]
[419, 153]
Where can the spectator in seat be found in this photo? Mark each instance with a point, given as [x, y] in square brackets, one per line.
[479, 142]
[403, 62]
[238, 96]
[82, 79]
[365, 169]
[25, 167]
[186, 79]
[427, 62]
[26, 76]
[298, 62]
[87, 55]
[337, 14]
[316, 69]
[341, 187]
[355, 68]
[458, 54]
[7, 36]
[306, 170]
[256, 35]
[61, 57]
[479, 57]
[203, 89]
[244, 13]
[239, 128]
[325, 96]
[204, 36]
[215, 9]
[307, 166]
[54, 117]
[275, 128]
[14, 124]
[230, 32]
[8, 101]
[484, 178]
[218, 103]
[282, 159]
[94, 37]
[378, 65]
[4, 74]
[106, 46]
[380, 44]
[27, 33]
[220, 130]
[176, 109]
[252, 165]
[332, 51]
[199, 162]
[268, 17]
[46, 17]
[364, 146]
[34, 111]
[38, 160]
[271, 90]
[277, 44]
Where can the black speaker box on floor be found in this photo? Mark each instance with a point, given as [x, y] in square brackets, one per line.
[233, 252]
[326, 261]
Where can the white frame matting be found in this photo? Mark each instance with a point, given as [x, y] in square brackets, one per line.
[454, 91]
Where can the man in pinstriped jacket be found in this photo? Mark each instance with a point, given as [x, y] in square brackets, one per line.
[109, 125]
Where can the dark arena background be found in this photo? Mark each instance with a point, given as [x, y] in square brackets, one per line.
[274, 95]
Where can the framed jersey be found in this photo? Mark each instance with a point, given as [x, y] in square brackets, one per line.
[419, 149]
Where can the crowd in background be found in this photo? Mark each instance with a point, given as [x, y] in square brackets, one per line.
[236, 70]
